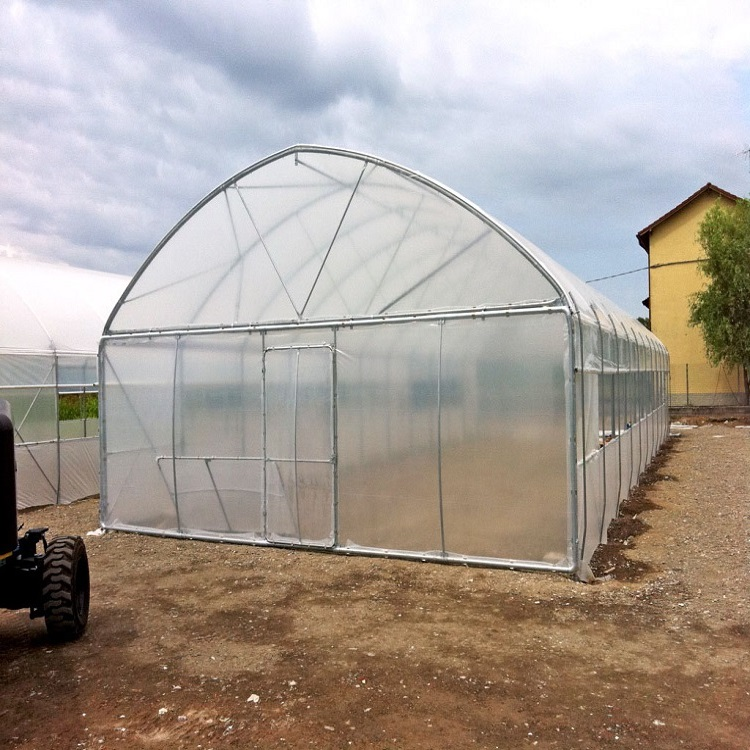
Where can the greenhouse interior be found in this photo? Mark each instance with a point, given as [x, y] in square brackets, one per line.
[52, 317]
[334, 352]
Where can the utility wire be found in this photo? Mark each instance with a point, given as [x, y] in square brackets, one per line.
[645, 268]
[615, 275]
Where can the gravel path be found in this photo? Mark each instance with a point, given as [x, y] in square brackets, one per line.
[195, 645]
[700, 536]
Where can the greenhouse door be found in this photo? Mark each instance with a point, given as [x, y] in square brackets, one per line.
[298, 451]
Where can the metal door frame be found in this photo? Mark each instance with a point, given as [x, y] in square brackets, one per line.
[332, 461]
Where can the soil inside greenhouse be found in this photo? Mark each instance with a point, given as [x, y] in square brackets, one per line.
[198, 645]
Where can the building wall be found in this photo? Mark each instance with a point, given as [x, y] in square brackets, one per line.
[693, 380]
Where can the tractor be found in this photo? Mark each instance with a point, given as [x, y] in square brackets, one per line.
[52, 583]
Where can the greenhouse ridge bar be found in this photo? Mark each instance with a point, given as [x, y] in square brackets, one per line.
[333, 352]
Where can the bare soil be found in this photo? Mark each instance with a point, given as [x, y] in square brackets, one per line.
[198, 645]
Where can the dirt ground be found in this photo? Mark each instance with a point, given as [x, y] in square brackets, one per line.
[197, 645]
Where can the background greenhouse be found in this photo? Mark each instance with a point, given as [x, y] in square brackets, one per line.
[332, 351]
[52, 317]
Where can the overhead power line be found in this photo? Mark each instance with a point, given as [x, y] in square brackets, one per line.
[644, 268]
[615, 275]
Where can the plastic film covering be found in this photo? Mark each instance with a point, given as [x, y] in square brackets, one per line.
[434, 425]
[51, 320]
[622, 414]
[138, 403]
[333, 351]
[37, 474]
[217, 435]
[435, 447]
[47, 307]
[312, 235]
[79, 468]
[55, 464]
[389, 450]
[28, 383]
[299, 435]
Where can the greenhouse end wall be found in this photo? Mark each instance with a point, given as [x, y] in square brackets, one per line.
[417, 438]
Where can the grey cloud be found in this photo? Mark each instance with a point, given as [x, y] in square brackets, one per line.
[267, 49]
[137, 109]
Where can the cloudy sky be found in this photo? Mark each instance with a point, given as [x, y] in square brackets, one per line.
[575, 122]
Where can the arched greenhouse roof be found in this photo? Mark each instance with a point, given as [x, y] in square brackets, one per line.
[315, 234]
[49, 308]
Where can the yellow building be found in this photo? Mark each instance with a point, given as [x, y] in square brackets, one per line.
[673, 276]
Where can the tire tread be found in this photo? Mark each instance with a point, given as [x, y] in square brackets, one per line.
[65, 588]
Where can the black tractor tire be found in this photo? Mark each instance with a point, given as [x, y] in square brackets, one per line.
[65, 588]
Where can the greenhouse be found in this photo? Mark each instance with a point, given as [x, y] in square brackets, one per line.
[334, 352]
[51, 319]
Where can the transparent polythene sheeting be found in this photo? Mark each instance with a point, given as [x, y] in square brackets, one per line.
[53, 464]
[46, 307]
[31, 384]
[34, 413]
[610, 474]
[51, 318]
[37, 474]
[38, 481]
[21, 369]
[315, 233]
[137, 427]
[436, 429]
[620, 406]
[415, 398]
[79, 469]
[327, 236]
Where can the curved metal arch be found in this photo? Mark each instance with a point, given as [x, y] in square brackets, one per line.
[404, 172]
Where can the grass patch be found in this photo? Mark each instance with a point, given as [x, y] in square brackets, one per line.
[78, 406]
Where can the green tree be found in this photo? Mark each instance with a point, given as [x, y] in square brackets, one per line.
[722, 309]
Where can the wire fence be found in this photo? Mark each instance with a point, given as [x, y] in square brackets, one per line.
[700, 384]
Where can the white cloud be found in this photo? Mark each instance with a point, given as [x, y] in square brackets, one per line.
[577, 123]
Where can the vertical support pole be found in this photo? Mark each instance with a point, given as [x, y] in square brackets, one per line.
[103, 496]
[441, 325]
[687, 384]
[572, 450]
[174, 432]
[616, 410]
[57, 430]
[263, 409]
[335, 439]
[601, 426]
[84, 409]
[295, 429]
[580, 495]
